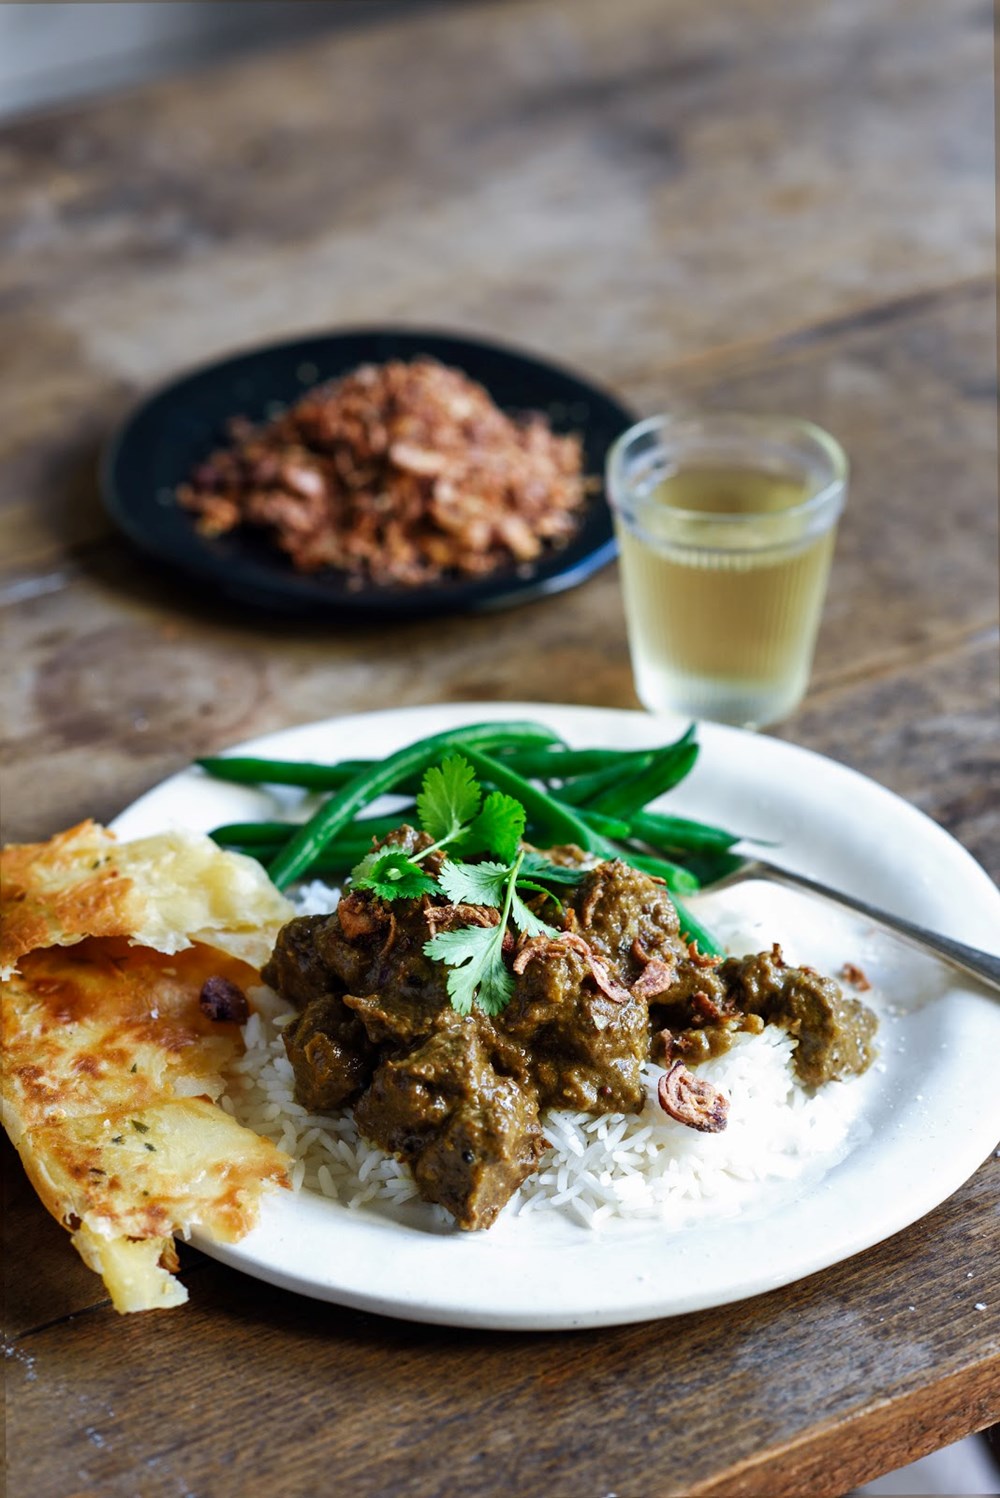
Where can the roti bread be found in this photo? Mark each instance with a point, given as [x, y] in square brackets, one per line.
[125, 1184]
[165, 892]
[104, 1027]
[111, 1061]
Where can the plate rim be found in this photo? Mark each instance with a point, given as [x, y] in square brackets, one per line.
[249, 1257]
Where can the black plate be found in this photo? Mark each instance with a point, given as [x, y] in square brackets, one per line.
[175, 429]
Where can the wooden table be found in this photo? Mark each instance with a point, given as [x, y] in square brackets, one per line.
[746, 204]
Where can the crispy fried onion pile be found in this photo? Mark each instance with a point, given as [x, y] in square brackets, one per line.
[399, 473]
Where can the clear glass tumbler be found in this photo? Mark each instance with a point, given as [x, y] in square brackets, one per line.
[726, 528]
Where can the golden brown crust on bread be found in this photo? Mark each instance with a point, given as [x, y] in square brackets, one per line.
[153, 1171]
[109, 1064]
[55, 893]
[163, 892]
[108, 1026]
[124, 1184]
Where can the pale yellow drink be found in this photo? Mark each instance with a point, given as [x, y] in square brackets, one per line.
[724, 569]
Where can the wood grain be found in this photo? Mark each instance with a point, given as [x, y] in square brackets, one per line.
[599, 183]
[857, 1355]
[743, 205]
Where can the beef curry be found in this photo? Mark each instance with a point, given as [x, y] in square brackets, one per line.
[460, 1097]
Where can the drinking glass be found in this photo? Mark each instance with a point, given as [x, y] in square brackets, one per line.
[726, 527]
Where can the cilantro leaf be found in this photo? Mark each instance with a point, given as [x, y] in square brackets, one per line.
[392, 875]
[499, 827]
[475, 883]
[475, 955]
[540, 867]
[478, 971]
[525, 920]
[539, 889]
[449, 798]
[496, 984]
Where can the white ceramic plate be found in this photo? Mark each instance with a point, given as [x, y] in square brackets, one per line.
[926, 1115]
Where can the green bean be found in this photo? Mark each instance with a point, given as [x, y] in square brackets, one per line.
[300, 773]
[551, 818]
[712, 865]
[679, 832]
[298, 854]
[587, 789]
[251, 834]
[273, 834]
[316, 777]
[606, 826]
[693, 930]
[380, 826]
[311, 777]
[669, 766]
[560, 764]
[336, 861]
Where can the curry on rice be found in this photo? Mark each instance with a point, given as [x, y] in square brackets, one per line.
[461, 1097]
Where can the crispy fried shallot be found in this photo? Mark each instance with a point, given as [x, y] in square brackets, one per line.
[706, 1010]
[692, 1101]
[655, 978]
[705, 959]
[855, 976]
[449, 917]
[398, 473]
[359, 917]
[546, 946]
[662, 1046]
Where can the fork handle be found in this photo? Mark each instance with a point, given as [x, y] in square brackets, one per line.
[982, 965]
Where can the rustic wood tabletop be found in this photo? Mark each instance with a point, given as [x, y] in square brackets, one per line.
[747, 205]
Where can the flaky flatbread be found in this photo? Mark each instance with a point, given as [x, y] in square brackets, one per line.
[106, 1027]
[164, 892]
[110, 1059]
[125, 1184]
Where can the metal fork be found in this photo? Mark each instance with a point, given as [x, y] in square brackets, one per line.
[984, 966]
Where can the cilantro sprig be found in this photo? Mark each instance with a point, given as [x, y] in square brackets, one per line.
[475, 953]
[452, 812]
[449, 799]
[392, 874]
[449, 811]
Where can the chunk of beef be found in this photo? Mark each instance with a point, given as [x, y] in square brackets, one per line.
[354, 942]
[834, 1033]
[586, 1048]
[331, 1055]
[490, 1144]
[295, 968]
[621, 912]
[406, 992]
[470, 1135]
[412, 1095]
[398, 1019]
[696, 996]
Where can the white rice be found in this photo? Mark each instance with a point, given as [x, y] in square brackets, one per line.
[598, 1169]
